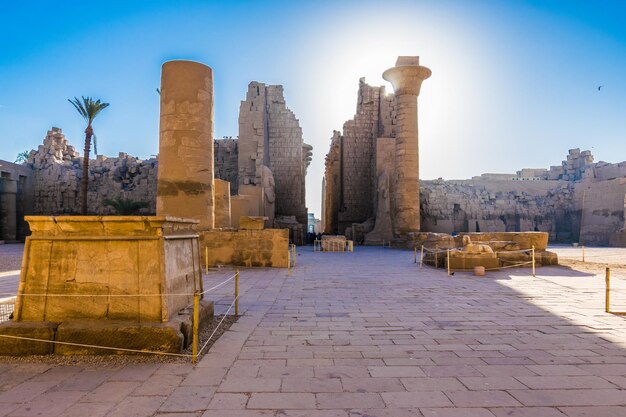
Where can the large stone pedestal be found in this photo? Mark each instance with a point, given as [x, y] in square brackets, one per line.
[116, 281]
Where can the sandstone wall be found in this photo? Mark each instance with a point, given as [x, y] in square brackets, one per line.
[602, 206]
[226, 152]
[332, 185]
[499, 206]
[270, 135]
[375, 117]
[57, 172]
[258, 248]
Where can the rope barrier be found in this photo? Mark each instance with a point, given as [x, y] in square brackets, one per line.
[435, 251]
[453, 249]
[119, 295]
[218, 325]
[595, 256]
[220, 284]
[96, 346]
[195, 352]
[515, 251]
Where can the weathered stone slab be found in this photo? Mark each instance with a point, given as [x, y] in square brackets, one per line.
[525, 240]
[251, 223]
[160, 337]
[260, 248]
[17, 347]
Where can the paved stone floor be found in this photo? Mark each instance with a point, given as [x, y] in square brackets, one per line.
[369, 334]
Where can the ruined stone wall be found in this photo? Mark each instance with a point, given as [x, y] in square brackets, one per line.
[499, 206]
[57, 170]
[578, 200]
[332, 185]
[226, 167]
[601, 204]
[358, 153]
[270, 135]
[285, 156]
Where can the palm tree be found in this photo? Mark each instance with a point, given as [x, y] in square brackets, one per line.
[22, 157]
[125, 206]
[89, 109]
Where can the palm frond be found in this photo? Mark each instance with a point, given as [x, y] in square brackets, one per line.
[88, 108]
[22, 157]
[125, 206]
[79, 108]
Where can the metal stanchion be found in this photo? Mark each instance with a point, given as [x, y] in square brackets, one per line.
[237, 292]
[414, 254]
[448, 261]
[206, 260]
[436, 256]
[607, 293]
[534, 260]
[422, 257]
[288, 263]
[196, 318]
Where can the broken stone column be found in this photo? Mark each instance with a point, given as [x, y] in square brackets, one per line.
[185, 174]
[8, 209]
[406, 78]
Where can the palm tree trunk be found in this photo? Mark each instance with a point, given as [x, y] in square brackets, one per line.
[85, 179]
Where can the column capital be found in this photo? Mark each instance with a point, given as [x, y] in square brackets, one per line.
[407, 76]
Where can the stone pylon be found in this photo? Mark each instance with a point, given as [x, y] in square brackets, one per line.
[406, 78]
[185, 186]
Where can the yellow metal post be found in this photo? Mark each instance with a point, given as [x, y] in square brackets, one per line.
[206, 260]
[196, 318]
[533, 260]
[237, 292]
[448, 261]
[421, 256]
[607, 300]
[583, 248]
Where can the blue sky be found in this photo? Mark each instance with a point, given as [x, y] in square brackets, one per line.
[514, 82]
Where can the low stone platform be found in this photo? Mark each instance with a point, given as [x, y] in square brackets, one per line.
[113, 281]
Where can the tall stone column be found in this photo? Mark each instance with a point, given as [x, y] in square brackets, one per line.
[406, 78]
[185, 174]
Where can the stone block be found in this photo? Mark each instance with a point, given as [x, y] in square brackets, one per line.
[35, 330]
[525, 240]
[460, 260]
[251, 223]
[259, 248]
[160, 337]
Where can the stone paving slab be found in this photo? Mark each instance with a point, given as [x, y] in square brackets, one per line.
[368, 334]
